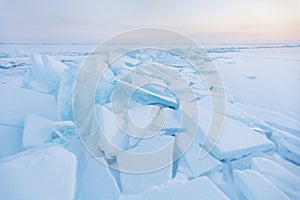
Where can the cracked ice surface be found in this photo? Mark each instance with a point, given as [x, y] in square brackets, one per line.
[257, 156]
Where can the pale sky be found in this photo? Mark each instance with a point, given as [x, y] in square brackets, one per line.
[96, 20]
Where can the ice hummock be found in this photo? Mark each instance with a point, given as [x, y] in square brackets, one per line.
[44, 75]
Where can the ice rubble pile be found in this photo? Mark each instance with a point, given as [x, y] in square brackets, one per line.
[41, 156]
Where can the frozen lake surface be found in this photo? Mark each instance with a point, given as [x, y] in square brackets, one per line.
[257, 155]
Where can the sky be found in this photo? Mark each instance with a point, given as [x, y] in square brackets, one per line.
[207, 21]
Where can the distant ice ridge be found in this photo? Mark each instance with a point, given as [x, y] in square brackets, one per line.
[42, 157]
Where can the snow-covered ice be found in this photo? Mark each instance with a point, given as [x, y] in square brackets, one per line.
[254, 186]
[201, 188]
[193, 166]
[10, 140]
[37, 130]
[45, 172]
[238, 140]
[131, 183]
[96, 182]
[17, 103]
[278, 175]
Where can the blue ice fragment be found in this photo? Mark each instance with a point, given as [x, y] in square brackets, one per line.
[155, 94]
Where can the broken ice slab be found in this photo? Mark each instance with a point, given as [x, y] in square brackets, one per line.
[151, 94]
[115, 138]
[37, 130]
[131, 62]
[46, 172]
[75, 146]
[245, 162]
[105, 87]
[44, 74]
[236, 113]
[291, 167]
[238, 140]
[104, 90]
[10, 140]
[199, 188]
[254, 186]
[287, 145]
[242, 133]
[96, 182]
[193, 166]
[17, 103]
[65, 94]
[226, 186]
[273, 118]
[138, 114]
[149, 164]
[278, 175]
[169, 58]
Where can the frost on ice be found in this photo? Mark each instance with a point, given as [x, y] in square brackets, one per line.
[42, 157]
